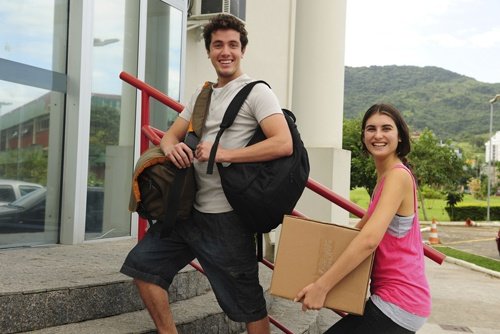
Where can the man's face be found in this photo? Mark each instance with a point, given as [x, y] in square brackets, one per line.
[225, 53]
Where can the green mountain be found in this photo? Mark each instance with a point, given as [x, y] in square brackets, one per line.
[453, 106]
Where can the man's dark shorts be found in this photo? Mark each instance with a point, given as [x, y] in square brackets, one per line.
[225, 250]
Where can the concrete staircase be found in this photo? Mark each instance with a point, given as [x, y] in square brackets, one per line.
[78, 289]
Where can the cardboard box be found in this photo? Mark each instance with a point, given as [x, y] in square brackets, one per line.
[306, 250]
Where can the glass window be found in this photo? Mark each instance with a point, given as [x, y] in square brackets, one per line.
[32, 86]
[163, 58]
[33, 32]
[113, 103]
[112, 120]
[6, 194]
[23, 190]
[30, 160]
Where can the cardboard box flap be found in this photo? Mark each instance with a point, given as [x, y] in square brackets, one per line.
[306, 250]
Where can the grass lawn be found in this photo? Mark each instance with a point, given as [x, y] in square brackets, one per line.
[435, 208]
[478, 260]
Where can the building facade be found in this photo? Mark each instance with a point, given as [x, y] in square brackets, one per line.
[68, 123]
[494, 144]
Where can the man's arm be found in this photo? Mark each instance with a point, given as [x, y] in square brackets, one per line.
[278, 143]
[171, 144]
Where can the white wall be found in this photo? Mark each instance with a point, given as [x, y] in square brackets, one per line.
[268, 52]
[298, 48]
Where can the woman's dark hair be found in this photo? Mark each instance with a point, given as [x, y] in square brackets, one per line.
[404, 134]
[225, 22]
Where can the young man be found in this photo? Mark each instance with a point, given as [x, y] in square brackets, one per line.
[215, 235]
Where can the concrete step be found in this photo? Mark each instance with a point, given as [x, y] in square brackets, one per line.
[49, 286]
[78, 289]
[200, 314]
[31, 310]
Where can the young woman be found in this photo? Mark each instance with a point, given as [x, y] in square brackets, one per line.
[400, 300]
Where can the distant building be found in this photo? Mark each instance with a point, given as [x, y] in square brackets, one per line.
[28, 125]
[495, 148]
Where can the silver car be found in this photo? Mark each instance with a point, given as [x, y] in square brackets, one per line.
[11, 190]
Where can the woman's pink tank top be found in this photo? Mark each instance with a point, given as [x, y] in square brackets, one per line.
[398, 274]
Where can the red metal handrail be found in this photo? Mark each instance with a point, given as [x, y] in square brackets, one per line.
[148, 133]
[327, 193]
[153, 135]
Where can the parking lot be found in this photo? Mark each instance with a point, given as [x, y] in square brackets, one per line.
[479, 240]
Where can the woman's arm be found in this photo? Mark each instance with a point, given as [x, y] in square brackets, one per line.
[362, 222]
[396, 196]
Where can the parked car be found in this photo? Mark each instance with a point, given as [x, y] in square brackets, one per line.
[27, 214]
[10, 190]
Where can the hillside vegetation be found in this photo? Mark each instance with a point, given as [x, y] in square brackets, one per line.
[453, 106]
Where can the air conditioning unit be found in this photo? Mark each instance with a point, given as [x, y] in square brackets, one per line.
[205, 9]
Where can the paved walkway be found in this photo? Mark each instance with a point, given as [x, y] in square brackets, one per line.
[464, 300]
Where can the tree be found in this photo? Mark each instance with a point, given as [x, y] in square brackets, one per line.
[104, 130]
[435, 164]
[452, 199]
[362, 168]
[474, 185]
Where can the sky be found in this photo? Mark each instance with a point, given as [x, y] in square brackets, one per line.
[462, 36]
[29, 39]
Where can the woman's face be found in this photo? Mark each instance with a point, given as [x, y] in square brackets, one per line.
[380, 135]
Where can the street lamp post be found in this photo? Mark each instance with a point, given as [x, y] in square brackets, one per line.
[493, 100]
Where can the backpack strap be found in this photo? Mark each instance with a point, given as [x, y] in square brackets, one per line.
[228, 119]
[200, 109]
[173, 201]
[198, 117]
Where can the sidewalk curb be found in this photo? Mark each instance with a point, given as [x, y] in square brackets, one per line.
[459, 223]
[472, 266]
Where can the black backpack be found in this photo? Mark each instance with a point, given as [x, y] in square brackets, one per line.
[261, 193]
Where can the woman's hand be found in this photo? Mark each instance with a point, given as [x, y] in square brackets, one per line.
[312, 297]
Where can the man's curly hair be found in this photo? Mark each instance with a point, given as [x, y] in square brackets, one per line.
[224, 22]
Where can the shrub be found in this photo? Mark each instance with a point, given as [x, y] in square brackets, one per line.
[474, 212]
[430, 193]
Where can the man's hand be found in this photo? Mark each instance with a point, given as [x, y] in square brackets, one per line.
[180, 155]
[202, 152]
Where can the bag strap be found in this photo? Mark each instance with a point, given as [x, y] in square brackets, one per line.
[173, 200]
[228, 119]
[200, 111]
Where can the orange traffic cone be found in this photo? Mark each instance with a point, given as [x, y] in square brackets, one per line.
[433, 236]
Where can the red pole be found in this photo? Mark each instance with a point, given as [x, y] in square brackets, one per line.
[353, 208]
[149, 91]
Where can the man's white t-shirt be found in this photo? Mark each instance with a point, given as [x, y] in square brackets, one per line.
[260, 103]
